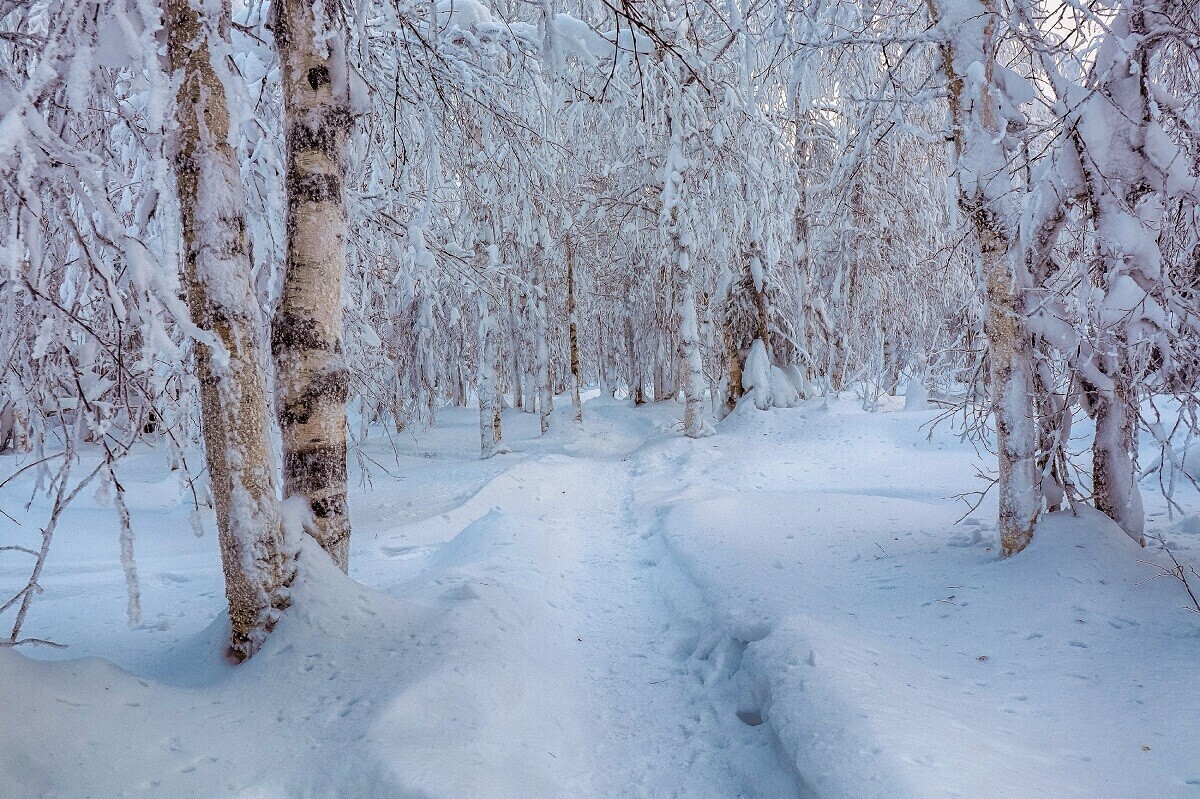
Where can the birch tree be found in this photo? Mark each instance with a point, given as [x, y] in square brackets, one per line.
[311, 376]
[258, 562]
[981, 113]
[1129, 171]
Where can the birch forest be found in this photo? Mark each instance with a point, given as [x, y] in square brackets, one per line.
[599, 398]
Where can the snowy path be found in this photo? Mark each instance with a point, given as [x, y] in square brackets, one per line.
[621, 613]
[667, 709]
[621, 684]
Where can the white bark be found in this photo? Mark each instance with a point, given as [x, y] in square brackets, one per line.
[969, 60]
[545, 376]
[694, 423]
[486, 383]
[311, 376]
[257, 563]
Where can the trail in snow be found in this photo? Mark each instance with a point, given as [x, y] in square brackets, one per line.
[605, 675]
[620, 613]
[667, 708]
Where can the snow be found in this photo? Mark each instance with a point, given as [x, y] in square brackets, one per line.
[767, 385]
[784, 609]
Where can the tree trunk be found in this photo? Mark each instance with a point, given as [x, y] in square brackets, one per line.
[694, 423]
[486, 383]
[762, 302]
[984, 200]
[312, 380]
[665, 387]
[257, 562]
[1114, 484]
[545, 376]
[733, 363]
[605, 361]
[515, 362]
[637, 389]
[1012, 402]
[573, 336]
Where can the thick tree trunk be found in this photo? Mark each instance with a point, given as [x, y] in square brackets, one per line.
[486, 383]
[257, 562]
[545, 376]
[516, 315]
[978, 140]
[694, 423]
[637, 390]
[312, 380]
[1012, 402]
[573, 338]
[1114, 483]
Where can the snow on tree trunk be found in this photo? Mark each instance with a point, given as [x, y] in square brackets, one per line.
[573, 336]
[545, 375]
[1011, 376]
[969, 61]
[694, 423]
[312, 380]
[756, 379]
[489, 404]
[515, 361]
[1114, 482]
[637, 388]
[676, 203]
[257, 562]
[1128, 165]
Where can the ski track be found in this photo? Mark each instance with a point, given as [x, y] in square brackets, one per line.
[669, 714]
[618, 657]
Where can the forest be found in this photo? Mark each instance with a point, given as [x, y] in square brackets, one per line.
[599, 398]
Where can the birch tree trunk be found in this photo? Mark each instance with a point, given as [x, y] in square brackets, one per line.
[545, 377]
[573, 337]
[1020, 499]
[1125, 186]
[312, 381]
[256, 560]
[1114, 482]
[516, 314]
[664, 371]
[637, 389]
[694, 423]
[733, 366]
[489, 404]
[983, 197]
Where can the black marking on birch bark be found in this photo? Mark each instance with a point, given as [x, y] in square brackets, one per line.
[280, 26]
[318, 77]
[295, 333]
[315, 469]
[313, 187]
[332, 387]
[325, 507]
[324, 133]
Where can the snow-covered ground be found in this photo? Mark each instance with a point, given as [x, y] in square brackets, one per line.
[786, 609]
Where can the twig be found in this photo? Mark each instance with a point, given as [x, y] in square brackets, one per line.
[35, 641]
[1179, 572]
